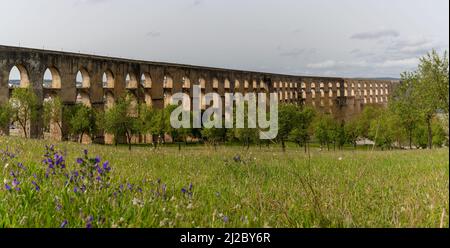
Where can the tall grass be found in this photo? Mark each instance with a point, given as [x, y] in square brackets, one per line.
[200, 187]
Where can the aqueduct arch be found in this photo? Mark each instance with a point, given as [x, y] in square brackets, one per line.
[97, 81]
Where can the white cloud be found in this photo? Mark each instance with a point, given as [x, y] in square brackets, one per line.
[322, 65]
[374, 35]
[402, 63]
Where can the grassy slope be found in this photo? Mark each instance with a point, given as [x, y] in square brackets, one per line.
[269, 188]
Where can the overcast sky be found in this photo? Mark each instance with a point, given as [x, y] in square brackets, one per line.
[348, 38]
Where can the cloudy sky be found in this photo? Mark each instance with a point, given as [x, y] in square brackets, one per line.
[348, 38]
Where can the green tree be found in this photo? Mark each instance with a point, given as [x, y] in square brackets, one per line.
[121, 120]
[287, 116]
[420, 137]
[340, 135]
[324, 129]
[439, 135]
[24, 107]
[146, 118]
[53, 112]
[245, 135]
[403, 105]
[300, 133]
[5, 116]
[384, 130]
[431, 90]
[351, 132]
[82, 121]
[368, 114]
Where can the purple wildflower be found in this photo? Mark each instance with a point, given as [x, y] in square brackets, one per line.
[89, 221]
[85, 152]
[183, 190]
[226, 219]
[97, 159]
[75, 189]
[37, 188]
[7, 187]
[15, 182]
[106, 166]
[80, 160]
[64, 224]
[20, 165]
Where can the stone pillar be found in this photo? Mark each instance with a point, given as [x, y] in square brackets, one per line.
[36, 74]
[4, 92]
[157, 93]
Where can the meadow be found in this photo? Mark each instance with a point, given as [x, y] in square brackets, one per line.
[61, 186]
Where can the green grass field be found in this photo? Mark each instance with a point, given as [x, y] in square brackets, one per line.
[200, 187]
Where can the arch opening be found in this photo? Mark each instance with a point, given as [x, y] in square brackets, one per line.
[83, 80]
[18, 77]
[146, 80]
[131, 81]
[108, 80]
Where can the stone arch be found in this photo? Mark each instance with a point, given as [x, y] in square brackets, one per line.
[345, 89]
[108, 79]
[264, 86]
[18, 77]
[52, 78]
[202, 84]
[146, 80]
[51, 130]
[167, 89]
[330, 90]
[227, 84]
[109, 100]
[237, 84]
[313, 90]
[83, 98]
[148, 99]
[215, 83]
[83, 80]
[131, 81]
[167, 82]
[186, 82]
[303, 93]
[246, 84]
[133, 110]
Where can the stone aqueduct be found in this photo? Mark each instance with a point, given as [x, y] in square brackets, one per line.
[104, 79]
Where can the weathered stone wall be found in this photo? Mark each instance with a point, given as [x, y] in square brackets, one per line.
[341, 97]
